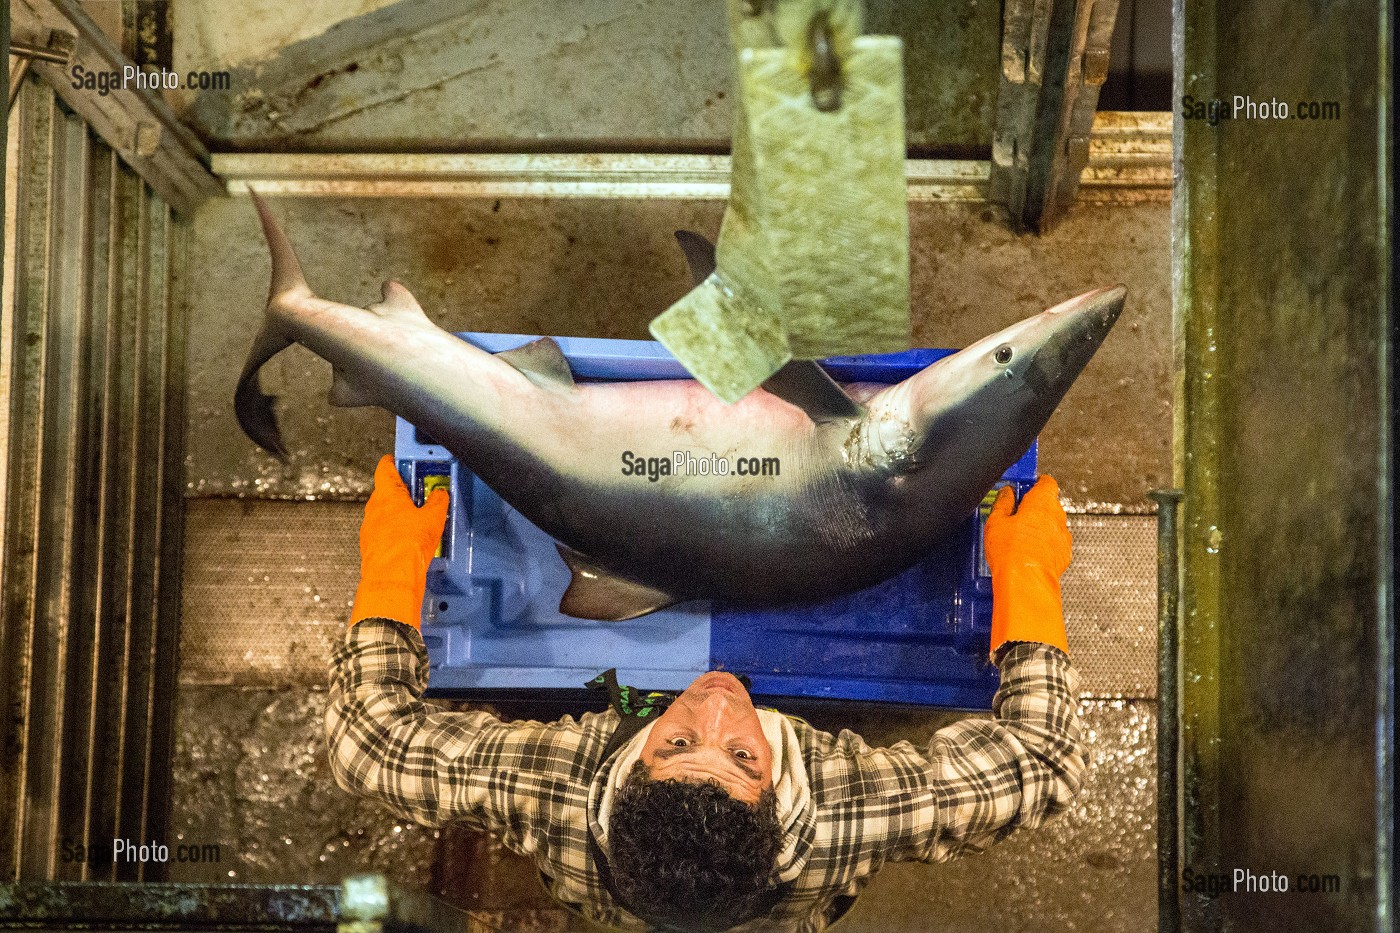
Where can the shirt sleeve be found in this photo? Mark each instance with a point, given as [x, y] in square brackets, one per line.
[433, 766]
[987, 777]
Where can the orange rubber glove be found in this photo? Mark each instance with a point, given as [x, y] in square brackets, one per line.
[397, 541]
[1028, 550]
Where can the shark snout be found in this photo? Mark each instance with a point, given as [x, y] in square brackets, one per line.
[1097, 309]
[1067, 337]
[1078, 327]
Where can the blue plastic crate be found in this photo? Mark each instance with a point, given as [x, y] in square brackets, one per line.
[492, 622]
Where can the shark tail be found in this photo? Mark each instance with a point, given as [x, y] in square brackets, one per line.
[253, 408]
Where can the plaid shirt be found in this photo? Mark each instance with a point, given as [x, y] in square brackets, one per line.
[537, 785]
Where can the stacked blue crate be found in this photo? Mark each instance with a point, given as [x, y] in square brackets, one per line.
[492, 622]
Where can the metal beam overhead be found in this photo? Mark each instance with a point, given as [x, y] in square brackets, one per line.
[1054, 59]
[1128, 158]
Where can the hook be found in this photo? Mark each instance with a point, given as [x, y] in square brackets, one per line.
[825, 76]
[59, 51]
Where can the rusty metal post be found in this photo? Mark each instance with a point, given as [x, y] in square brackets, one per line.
[1284, 340]
[1054, 59]
[1168, 707]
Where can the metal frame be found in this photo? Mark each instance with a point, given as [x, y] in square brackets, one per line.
[1129, 160]
[1287, 652]
[1054, 59]
[93, 505]
[58, 50]
[362, 904]
[136, 123]
[1168, 708]
[248, 908]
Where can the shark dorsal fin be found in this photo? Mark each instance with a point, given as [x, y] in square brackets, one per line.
[699, 254]
[541, 361]
[397, 301]
[801, 382]
[805, 384]
[594, 593]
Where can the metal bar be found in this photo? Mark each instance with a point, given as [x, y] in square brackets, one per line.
[58, 51]
[43, 53]
[17, 79]
[165, 516]
[19, 570]
[1168, 707]
[82, 399]
[1129, 160]
[1196, 253]
[119, 461]
[134, 121]
[60, 438]
[141, 582]
[547, 176]
[97, 515]
[60, 502]
[242, 907]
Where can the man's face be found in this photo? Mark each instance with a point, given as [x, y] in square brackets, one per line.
[711, 732]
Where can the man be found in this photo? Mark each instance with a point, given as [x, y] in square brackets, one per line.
[709, 815]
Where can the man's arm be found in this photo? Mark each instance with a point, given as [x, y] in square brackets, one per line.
[385, 743]
[989, 777]
[429, 765]
[434, 766]
[981, 779]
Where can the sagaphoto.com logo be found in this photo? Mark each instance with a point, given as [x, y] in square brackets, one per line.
[1214, 110]
[132, 852]
[146, 79]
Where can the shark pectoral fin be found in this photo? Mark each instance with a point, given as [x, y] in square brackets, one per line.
[594, 593]
[699, 254]
[397, 301]
[541, 361]
[805, 384]
[345, 394]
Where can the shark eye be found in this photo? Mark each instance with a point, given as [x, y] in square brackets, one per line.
[1003, 354]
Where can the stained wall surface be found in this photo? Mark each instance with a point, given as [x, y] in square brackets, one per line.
[610, 75]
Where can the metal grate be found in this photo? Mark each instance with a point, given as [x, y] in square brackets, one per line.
[1110, 600]
[92, 446]
[268, 587]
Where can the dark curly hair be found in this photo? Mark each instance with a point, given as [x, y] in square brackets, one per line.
[686, 856]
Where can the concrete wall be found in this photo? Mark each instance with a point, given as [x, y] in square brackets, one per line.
[610, 74]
